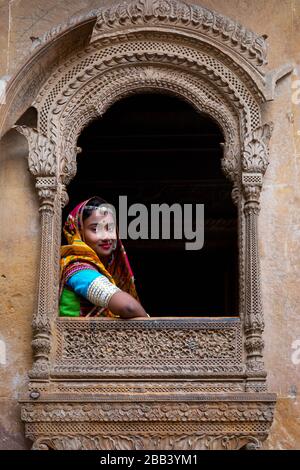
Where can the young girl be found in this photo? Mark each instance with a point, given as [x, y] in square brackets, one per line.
[96, 278]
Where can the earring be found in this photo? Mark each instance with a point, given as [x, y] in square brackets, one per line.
[111, 259]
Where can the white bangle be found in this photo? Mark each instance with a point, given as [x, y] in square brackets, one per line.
[101, 291]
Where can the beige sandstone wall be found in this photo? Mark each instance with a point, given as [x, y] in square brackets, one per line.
[19, 257]
[279, 228]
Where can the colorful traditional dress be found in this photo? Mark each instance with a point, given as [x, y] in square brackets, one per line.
[86, 285]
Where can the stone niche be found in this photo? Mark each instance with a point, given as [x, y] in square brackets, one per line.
[158, 383]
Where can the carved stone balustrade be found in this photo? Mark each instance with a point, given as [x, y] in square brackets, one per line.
[160, 383]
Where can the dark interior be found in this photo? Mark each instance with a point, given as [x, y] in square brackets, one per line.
[156, 148]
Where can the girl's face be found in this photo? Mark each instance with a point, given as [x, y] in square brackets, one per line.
[99, 231]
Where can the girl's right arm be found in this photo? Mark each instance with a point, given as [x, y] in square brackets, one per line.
[100, 291]
[126, 306]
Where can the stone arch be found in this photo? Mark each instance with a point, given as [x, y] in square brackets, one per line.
[98, 98]
[217, 66]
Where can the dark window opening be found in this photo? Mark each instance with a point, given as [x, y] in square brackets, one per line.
[156, 149]
[29, 118]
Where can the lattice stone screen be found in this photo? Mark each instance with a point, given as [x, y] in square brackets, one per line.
[157, 348]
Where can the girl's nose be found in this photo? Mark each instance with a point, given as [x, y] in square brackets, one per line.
[107, 236]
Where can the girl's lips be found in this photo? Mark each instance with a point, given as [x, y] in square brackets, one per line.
[106, 246]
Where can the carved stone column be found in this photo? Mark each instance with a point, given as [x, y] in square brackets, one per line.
[42, 164]
[66, 167]
[254, 165]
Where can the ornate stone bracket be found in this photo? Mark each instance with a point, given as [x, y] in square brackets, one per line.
[190, 423]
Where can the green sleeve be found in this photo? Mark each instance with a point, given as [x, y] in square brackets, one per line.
[69, 304]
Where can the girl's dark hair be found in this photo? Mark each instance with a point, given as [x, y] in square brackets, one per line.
[93, 204]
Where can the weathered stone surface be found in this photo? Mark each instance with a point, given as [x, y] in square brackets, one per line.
[11, 429]
[264, 17]
[31, 19]
[4, 36]
[285, 432]
[19, 239]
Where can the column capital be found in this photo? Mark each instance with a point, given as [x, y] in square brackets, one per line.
[255, 158]
[41, 158]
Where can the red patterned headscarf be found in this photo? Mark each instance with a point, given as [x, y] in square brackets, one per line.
[118, 269]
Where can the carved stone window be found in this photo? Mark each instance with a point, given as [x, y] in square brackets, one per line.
[169, 384]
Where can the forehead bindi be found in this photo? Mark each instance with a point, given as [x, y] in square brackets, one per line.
[98, 218]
